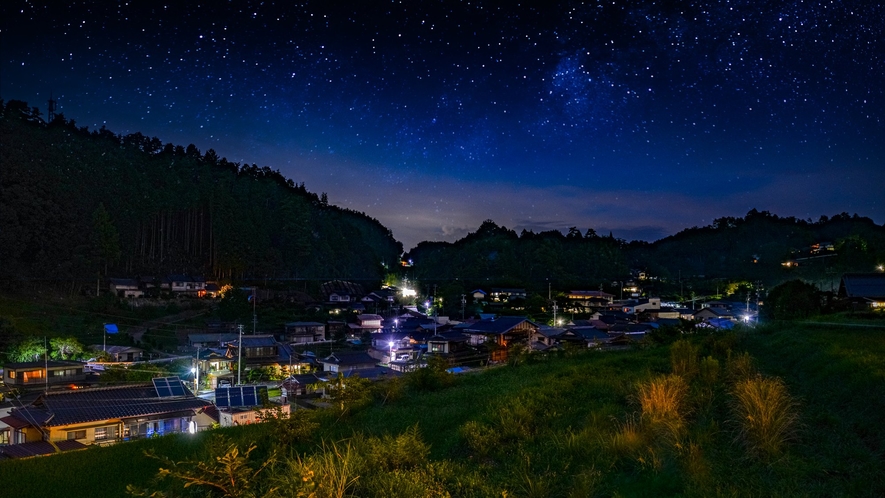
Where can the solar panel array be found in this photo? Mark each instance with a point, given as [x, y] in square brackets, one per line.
[240, 396]
[168, 387]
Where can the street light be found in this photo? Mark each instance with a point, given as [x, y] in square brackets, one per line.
[390, 360]
[196, 373]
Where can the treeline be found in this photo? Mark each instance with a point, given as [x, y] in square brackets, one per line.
[752, 248]
[77, 203]
[495, 255]
[755, 247]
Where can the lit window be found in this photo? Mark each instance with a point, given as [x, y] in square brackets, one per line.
[77, 434]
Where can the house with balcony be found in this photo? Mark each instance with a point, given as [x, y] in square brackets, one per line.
[41, 374]
[304, 332]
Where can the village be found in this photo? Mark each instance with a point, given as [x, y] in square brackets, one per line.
[234, 373]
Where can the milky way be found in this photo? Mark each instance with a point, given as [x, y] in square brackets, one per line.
[635, 117]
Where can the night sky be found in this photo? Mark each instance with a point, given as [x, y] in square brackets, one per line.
[640, 118]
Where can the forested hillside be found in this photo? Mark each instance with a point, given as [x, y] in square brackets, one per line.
[77, 203]
[752, 248]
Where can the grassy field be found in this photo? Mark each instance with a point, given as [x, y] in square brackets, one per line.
[588, 424]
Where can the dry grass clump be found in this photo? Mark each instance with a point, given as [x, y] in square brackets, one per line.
[663, 399]
[766, 415]
[627, 440]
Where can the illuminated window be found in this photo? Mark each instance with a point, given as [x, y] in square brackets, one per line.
[100, 433]
[77, 434]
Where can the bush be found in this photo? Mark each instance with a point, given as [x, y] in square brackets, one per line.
[433, 377]
[765, 414]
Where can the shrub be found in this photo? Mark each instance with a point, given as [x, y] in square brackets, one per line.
[405, 451]
[765, 414]
[480, 438]
[432, 377]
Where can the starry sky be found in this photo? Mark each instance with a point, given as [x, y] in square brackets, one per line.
[638, 118]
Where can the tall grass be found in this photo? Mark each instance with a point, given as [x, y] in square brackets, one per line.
[663, 399]
[684, 359]
[740, 367]
[766, 415]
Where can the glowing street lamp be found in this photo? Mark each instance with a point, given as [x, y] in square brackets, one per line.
[391, 352]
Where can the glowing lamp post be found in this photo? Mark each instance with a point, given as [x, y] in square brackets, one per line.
[391, 353]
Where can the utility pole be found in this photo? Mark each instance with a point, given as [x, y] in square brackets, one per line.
[463, 305]
[254, 314]
[554, 313]
[240, 354]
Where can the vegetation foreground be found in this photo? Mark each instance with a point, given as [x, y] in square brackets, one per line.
[784, 410]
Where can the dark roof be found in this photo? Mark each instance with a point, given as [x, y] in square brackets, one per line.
[256, 341]
[305, 324]
[862, 285]
[40, 448]
[448, 337]
[218, 337]
[341, 287]
[349, 358]
[129, 282]
[73, 407]
[500, 325]
[41, 364]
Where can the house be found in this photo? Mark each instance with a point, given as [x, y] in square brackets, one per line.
[343, 361]
[636, 306]
[708, 313]
[545, 337]
[366, 323]
[125, 287]
[39, 374]
[662, 314]
[304, 332]
[211, 340]
[447, 343]
[590, 337]
[501, 331]
[260, 350]
[120, 353]
[478, 294]
[341, 291]
[506, 295]
[107, 414]
[865, 290]
[299, 385]
[588, 299]
[235, 416]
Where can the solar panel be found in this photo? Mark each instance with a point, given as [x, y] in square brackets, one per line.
[240, 396]
[168, 387]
